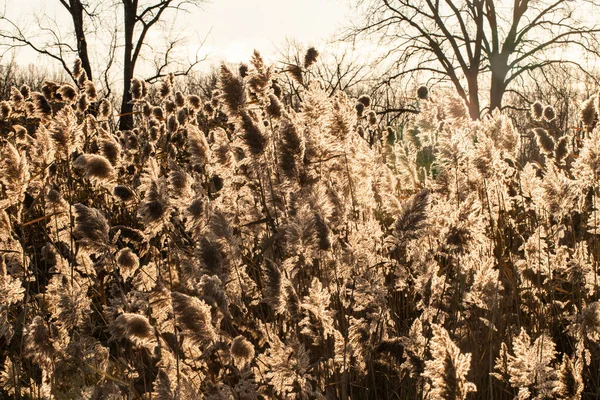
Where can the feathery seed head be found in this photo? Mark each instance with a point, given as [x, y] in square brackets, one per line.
[41, 105]
[537, 111]
[242, 351]
[95, 167]
[83, 103]
[77, 69]
[243, 70]
[422, 92]
[25, 91]
[128, 262]
[588, 112]
[544, 140]
[68, 93]
[90, 90]
[365, 99]
[360, 108]
[136, 89]
[105, 108]
[15, 96]
[194, 102]
[296, 73]
[179, 99]
[123, 193]
[233, 91]
[5, 110]
[549, 113]
[310, 57]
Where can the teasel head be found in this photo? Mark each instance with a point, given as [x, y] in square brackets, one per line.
[423, 92]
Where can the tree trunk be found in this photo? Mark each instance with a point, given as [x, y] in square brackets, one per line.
[499, 68]
[497, 90]
[82, 50]
[126, 119]
[473, 102]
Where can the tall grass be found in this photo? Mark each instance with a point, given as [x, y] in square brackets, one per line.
[234, 248]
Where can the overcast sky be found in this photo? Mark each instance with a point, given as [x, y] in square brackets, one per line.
[232, 28]
[239, 26]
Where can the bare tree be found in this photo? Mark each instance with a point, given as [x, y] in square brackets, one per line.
[76, 10]
[139, 18]
[467, 40]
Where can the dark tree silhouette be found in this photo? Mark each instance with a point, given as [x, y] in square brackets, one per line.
[466, 41]
[139, 18]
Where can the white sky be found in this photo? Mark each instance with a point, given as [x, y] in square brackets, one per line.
[240, 26]
[232, 28]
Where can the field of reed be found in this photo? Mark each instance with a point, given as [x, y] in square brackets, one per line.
[234, 247]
